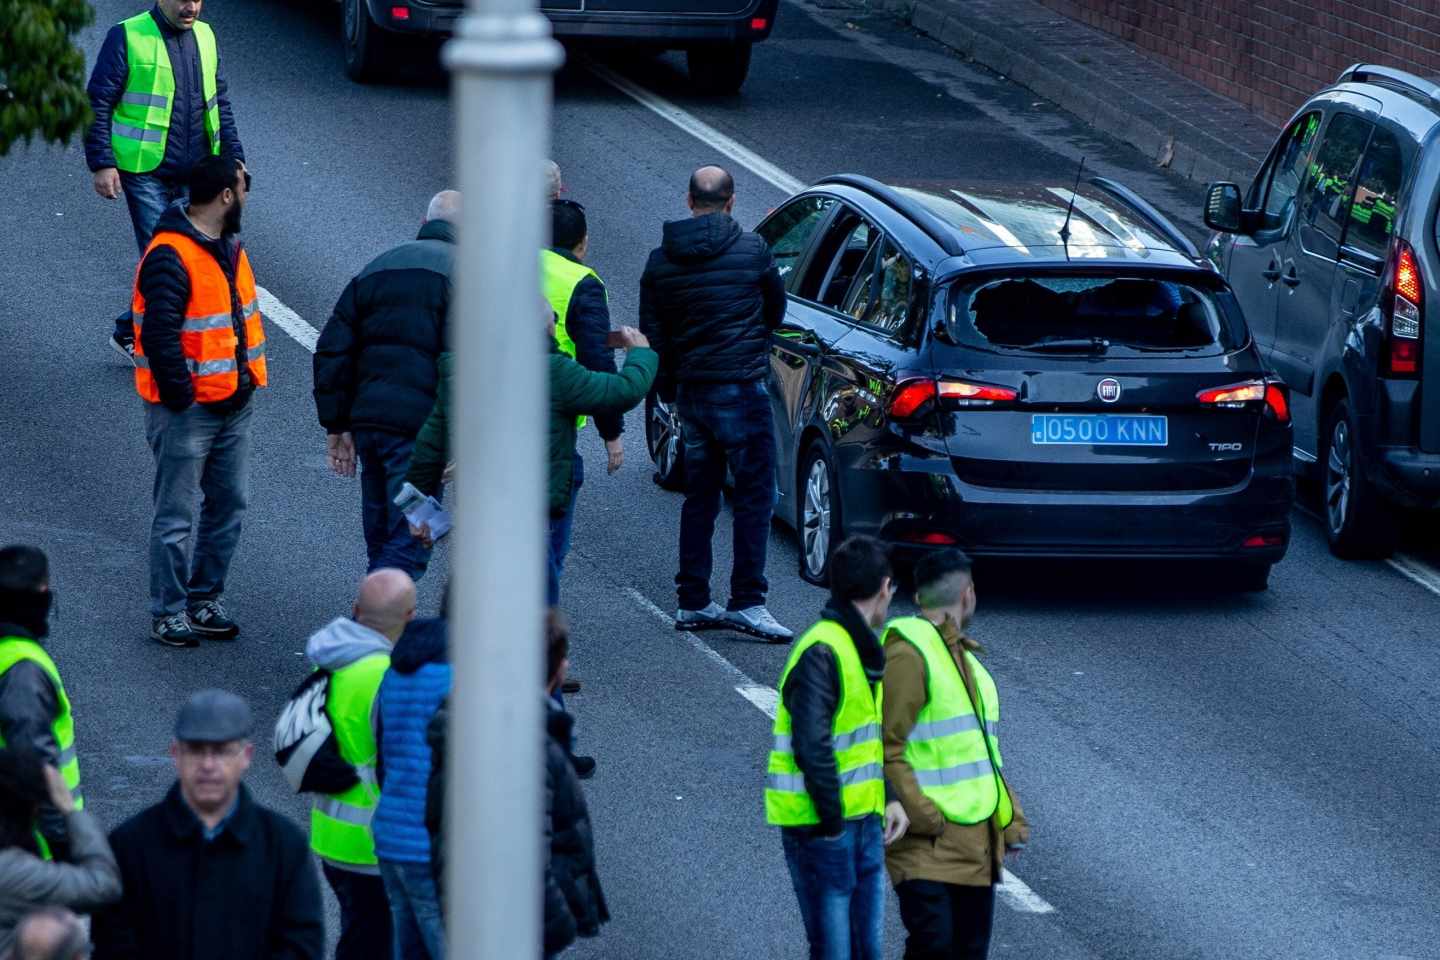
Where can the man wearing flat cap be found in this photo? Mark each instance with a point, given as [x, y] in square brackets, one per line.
[208, 872]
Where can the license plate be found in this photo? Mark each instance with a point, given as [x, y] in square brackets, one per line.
[1101, 430]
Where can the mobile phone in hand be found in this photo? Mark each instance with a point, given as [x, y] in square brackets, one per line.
[615, 340]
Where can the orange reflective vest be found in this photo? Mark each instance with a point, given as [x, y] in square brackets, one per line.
[208, 336]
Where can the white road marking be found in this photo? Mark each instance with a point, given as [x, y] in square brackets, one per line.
[1417, 570]
[701, 130]
[1013, 891]
[286, 319]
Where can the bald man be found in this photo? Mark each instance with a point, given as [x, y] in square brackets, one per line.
[51, 933]
[356, 654]
[709, 298]
[377, 375]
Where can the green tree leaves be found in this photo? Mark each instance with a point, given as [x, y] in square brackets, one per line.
[42, 74]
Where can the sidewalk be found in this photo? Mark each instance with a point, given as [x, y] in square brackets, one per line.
[1107, 83]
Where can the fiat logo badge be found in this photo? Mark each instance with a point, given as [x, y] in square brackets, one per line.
[1108, 390]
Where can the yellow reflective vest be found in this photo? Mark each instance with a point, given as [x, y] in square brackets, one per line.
[859, 753]
[140, 123]
[12, 651]
[559, 276]
[954, 747]
[340, 823]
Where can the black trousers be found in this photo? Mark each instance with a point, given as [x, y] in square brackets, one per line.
[946, 921]
[364, 915]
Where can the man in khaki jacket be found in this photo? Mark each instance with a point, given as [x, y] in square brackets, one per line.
[941, 749]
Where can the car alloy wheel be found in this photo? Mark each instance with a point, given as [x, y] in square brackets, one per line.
[815, 518]
[1339, 467]
[665, 441]
[352, 21]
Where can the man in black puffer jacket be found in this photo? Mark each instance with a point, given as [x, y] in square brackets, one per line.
[710, 296]
[377, 374]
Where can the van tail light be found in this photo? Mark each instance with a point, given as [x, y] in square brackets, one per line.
[1236, 395]
[1260, 540]
[911, 395]
[1405, 303]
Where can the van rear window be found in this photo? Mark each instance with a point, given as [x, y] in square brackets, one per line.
[1090, 315]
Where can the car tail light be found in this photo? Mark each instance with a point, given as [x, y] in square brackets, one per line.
[1233, 395]
[1264, 540]
[399, 13]
[1277, 400]
[911, 395]
[1406, 313]
[932, 538]
[759, 23]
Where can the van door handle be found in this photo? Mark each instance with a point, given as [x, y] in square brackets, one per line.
[1272, 272]
[1291, 278]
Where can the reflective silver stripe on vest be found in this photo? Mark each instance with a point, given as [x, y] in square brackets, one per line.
[146, 100]
[135, 133]
[66, 756]
[75, 793]
[213, 102]
[214, 321]
[786, 782]
[992, 727]
[782, 743]
[946, 776]
[137, 318]
[210, 367]
[251, 309]
[871, 771]
[255, 353]
[344, 812]
[865, 734]
[944, 728]
[141, 361]
[366, 773]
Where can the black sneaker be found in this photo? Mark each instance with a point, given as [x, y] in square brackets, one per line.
[125, 346]
[584, 767]
[570, 686]
[174, 631]
[209, 620]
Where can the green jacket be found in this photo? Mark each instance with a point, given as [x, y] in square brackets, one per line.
[573, 391]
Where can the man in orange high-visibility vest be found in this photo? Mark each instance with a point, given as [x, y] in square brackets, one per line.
[199, 356]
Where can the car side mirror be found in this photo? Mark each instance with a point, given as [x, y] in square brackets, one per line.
[1223, 210]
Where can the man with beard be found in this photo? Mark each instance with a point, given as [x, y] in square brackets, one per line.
[34, 709]
[199, 355]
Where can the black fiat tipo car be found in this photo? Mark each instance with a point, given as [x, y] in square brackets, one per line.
[1019, 371]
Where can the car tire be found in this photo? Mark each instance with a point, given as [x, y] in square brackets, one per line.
[366, 44]
[718, 69]
[1358, 522]
[817, 515]
[666, 443]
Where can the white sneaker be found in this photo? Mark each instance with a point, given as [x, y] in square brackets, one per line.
[710, 618]
[757, 622]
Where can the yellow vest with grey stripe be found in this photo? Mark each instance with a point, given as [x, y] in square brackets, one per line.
[559, 276]
[140, 123]
[855, 733]
[13, 650]
[340, 823]
[954, 747]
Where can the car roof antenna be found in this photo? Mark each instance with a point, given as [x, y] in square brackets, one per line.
[1065, 227]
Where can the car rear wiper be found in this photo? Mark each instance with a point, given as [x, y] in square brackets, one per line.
[1064, 345]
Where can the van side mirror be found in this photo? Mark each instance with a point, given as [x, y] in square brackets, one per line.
[1223, 208]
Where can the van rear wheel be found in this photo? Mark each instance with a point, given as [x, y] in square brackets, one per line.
[719, 68]
[1358, 522]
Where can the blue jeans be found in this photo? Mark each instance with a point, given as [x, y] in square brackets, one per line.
[726, 423]
[840, 885]
[196, 452]
[147, 198]
[414, 910]
[384, 459]
[559, 543]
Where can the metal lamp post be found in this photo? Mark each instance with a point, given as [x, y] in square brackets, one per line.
[502, 59]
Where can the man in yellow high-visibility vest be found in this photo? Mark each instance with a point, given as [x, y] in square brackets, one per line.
[824, 785]
[942, 759]
[34, 709]
[160, 106]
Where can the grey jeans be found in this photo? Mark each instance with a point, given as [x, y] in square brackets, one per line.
[205, 456]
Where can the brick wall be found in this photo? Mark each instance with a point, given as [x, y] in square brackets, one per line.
[1270, 54]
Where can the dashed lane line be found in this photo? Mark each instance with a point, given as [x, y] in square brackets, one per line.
[766, 699]
[1408, 566]
[286, 319]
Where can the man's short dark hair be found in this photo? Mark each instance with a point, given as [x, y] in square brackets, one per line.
[23, 568]
[858, 569]
[212, 176]
[567, 224]
[557, 642]
[940, 577]
[711, 193]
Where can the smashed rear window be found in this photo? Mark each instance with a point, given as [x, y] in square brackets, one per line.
[1087, 315]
